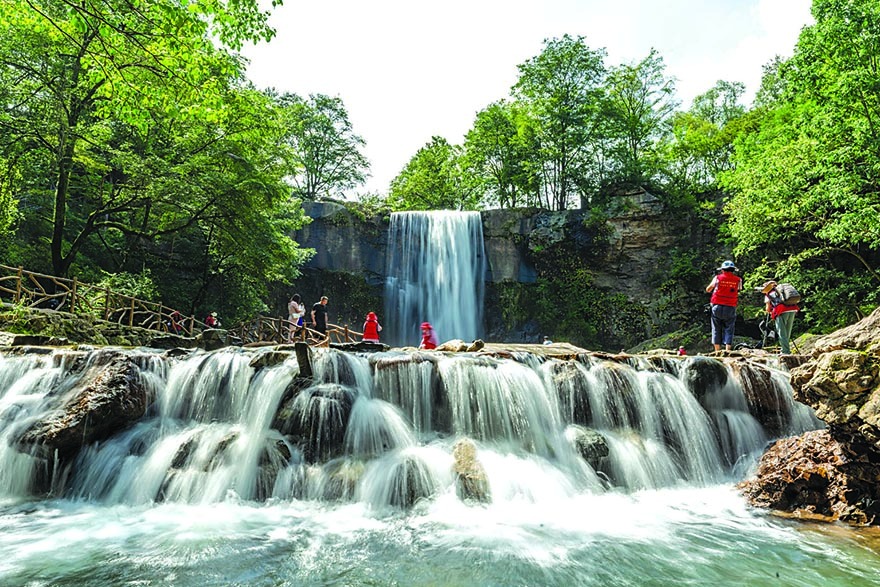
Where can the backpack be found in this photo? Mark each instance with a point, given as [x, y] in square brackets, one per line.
[788, 294]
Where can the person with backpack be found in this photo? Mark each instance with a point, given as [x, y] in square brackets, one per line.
[725, 287]
[781, 302]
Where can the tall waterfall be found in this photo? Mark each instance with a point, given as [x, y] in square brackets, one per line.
[436, 268]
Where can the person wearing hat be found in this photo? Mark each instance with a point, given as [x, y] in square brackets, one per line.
[724, 287]
[429, 337]
[781, 313]
[371, 328]
[211, 321]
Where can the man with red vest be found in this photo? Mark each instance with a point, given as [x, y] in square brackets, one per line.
[725, 288]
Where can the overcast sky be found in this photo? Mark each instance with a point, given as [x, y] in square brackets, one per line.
[408, 70]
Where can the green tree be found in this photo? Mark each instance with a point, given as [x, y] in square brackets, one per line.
[640, 101]
[324, 150]
[563, 87]
[806, 183]
[702, 143]
[434, 179]
[500, 149]
[71, 72]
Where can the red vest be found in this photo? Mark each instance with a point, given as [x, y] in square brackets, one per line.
[371, 330]
[726, 292]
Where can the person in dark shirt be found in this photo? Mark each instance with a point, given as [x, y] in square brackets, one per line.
[319, 315]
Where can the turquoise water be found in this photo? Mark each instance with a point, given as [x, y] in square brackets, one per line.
[664, 537]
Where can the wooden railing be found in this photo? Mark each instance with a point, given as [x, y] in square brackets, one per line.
[281, 330]
[36, 290]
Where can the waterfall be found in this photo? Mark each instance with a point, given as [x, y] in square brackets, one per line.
[382, 429]
[436, 271]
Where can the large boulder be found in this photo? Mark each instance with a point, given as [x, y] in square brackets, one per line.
[471, 483]
[109, 399]
[816, 477]
[834, 472]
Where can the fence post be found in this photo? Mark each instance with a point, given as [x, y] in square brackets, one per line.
[131, 314]
[73, 297]
[106, 304]
[18, 285]
[192, 324]
[346, 333]
[259, 328]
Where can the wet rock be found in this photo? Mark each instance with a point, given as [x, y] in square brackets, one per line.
[316, 419]
[460, 346]
[763, 395]
[572, 390]
[815, 476]
[105, 403]
[172, 341]
[471, 483]
[360, 347]
[591, 445]
[410, 481]
[341, 479]
[270, 359]
[212, 339]
[13, 339]
[703, 375]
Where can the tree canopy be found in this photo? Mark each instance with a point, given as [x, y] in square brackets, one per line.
[130, 134]
[805, 185]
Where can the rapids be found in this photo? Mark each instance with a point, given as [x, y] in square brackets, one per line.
[599, 473]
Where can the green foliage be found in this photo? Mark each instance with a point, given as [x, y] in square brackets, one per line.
[500, 150]
[139, 147]
[324, 152]
[139, 285]
[806, 190]
[563, 87]
[569, 306]
[434, 179]
[639, 103]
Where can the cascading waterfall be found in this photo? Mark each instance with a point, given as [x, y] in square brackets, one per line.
[619, 466]
[436, 272]
[217, 426]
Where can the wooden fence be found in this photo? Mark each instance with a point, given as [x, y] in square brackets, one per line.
[36, 290]
[281, 330]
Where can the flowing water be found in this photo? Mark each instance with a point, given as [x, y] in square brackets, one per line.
[599, 473]
[436, 267]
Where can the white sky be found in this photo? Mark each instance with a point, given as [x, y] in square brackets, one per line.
[408, 69]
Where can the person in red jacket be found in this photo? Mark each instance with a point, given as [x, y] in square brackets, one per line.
[725, 288]
[429, 337]
[372, 328]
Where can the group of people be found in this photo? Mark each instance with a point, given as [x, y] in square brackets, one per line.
[725, 288]
[296, 313]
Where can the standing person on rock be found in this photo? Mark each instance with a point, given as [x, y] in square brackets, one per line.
[319, 315]
[781, 312]
[724, 287]
[371, 328]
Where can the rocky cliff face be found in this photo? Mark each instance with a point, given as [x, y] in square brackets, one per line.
[833, 473]
[626, 256]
